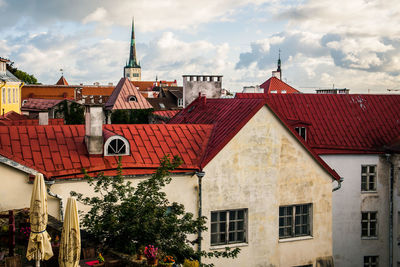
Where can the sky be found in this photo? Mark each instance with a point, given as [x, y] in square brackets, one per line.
[351, 44]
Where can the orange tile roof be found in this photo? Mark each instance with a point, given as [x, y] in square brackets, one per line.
[97, 90]
[119, 99]
[274, 84]
[59, 152]
[62, 81]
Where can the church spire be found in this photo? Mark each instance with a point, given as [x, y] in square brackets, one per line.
[132, 53]
[279, 65]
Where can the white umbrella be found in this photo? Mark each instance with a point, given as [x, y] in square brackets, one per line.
[39, 247]
[70, 243]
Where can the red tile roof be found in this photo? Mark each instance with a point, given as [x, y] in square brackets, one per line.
[59, 152]
[36, 104]
[341, 124]
[119, 98]
[166, 113]
[229, 116]
[274, 84]
[27, 122]
[62, 81]
[12, 115]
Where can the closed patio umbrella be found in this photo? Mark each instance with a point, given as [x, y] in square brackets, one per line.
[70, 243]
[39, 247]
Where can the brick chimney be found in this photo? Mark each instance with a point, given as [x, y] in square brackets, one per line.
[94, 129]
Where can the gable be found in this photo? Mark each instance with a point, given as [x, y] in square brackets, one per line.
[126, 96]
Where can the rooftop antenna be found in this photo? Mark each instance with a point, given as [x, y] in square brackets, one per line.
[62, 72]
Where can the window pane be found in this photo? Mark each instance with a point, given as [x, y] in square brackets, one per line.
[240, 214]
[214, 228]
[232, 215]
[222, 227]
[214, 238]
[232, 237]
[371, 169]
[365, 216]
[240, 236]
[240, 225]
[214, 216]
[222, 216]
[222, 238]
[231, 226]
[363, 169]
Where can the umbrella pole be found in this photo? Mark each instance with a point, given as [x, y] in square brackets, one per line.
[38, 258]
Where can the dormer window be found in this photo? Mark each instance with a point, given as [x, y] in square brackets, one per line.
[132, 98]
[302, 132]
[180, 102]
[116, 146]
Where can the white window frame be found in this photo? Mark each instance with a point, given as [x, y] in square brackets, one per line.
[117, 137]
[302, 131]
[180, 102]
[227, 230]
[292, 217]
[369, 222]
[368, 177]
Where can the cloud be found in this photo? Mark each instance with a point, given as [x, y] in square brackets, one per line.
[150, 15]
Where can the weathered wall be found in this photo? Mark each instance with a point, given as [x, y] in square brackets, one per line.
[349, 248]
[193, 85]
[261, 168]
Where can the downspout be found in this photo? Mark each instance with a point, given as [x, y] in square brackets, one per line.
[339, 184]
[200, 176]
[50, 183]
[390, 209]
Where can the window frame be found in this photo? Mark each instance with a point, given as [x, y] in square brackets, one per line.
[293, 224]
[4, 95]
[117, 137]
[369, 221]
[368, 175]
[227, 231]
[299, 130]
[9, 95]
[370, 263]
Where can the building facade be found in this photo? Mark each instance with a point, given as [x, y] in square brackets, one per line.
[10, 86]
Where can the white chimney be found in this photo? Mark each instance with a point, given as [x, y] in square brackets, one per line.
[94, 129]
[43, 118]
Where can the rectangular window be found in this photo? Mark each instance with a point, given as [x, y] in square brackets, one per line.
[295, 220]
[301, 131]
[180, 102]
[368, 178]
[9, 95]
[3, 95]
[369, 223]
[370, 261]
[228, 227]
[14, 95]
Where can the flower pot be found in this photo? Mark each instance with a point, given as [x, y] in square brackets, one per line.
[152, 262]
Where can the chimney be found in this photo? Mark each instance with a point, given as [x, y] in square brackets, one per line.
[43, 118]
[94, 129]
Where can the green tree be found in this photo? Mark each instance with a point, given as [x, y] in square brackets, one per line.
[72, 112]
[23, 76]
[131, 116]
[125, 217]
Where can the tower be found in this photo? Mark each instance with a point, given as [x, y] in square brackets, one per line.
[278, 72]
[132, 70]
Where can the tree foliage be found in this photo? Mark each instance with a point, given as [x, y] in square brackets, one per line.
[72, 112]
[131, 116]
[23, 76]
[125, 217]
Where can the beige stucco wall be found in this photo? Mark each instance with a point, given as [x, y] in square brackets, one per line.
[261, 168]
[15, 191]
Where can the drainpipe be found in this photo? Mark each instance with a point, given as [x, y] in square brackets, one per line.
[339, 184]
[200, 176]
[50, 183]
[390, 209]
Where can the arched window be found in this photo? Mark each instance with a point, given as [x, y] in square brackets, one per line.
[116, 146]
[132, 98]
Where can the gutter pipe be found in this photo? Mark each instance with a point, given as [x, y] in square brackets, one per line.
[200, 176]
[390, 209]
[50, 183]
[339, 184]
